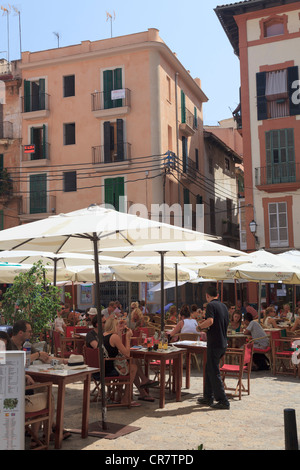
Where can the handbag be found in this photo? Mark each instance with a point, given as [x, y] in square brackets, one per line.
[121, 365]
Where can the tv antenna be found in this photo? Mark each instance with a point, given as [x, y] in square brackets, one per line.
[5, 10]
[57, 36]
[109, 17]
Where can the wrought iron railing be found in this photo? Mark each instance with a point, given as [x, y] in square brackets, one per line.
[288, 172]
[110, 99]
[120, 154]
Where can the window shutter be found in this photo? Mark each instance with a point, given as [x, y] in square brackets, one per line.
[117, 85]
[42, 97]
[70, 181]
[109, 192]
[38, 193]
[107, 87]
[119, 191]
[183, 116]
[26, 96]
[120, 140]
[293, 75]
[44, 142]
[184, 155]
[107, 142]
[195, 118]
[260, 94]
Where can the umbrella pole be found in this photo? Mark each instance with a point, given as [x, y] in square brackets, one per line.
[100, 331]
[176, 288]
[259, 301]
[162, 291]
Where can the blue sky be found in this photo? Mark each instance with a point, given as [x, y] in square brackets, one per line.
[191, 29]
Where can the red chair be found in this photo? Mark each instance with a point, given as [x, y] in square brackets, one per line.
[70, 331]
[243, 357]
[60, 346]
[114, 384]
[282, 352]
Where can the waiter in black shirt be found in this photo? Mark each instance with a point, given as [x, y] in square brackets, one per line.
[217, 319]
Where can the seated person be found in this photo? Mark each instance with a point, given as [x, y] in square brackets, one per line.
[137, 319]
[269, 320]
[112, 340]
[286, 313]
[92, 339]
[173, 313]
[236, 321]
[186, 323]
[59, 323]
[261, 341]
[296, 325]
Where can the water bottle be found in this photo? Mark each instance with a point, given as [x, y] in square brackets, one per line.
[27, 349]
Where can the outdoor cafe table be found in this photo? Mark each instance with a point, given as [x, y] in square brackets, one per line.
[62, 377]
[192, 347]
[171, 354]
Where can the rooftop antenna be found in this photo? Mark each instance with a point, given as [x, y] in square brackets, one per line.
[20, 35]
[57, 35]
[109, 17]
[5, 10]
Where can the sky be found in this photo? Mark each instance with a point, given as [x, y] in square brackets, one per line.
[190, 29]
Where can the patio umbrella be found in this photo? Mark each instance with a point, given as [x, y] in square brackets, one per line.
[90, 229]
[181, 249]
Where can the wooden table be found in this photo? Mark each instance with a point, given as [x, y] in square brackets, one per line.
[174, 354]
[45, 373]
[236, 340]
[192, 347]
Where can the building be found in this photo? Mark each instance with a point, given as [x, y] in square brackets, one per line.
[117, 122]
[10, 138]
[266, 37]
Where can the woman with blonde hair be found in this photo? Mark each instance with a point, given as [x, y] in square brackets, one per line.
[137, 318]
[269, 320]
[112, 341]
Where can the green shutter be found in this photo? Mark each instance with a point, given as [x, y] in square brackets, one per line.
[42, 98]
[38, 193]
[186, 196]
[107, 87]
[44, 142]
[262, 112]
[119, 184]
[113, 189]
[183, 113]
[26, 96]
[117, 86]
[109, 192]
[195, 118]
[120, 140]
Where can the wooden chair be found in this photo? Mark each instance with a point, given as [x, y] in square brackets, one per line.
[282, 352]
[171, 322]
[59, 346]
[191, 337]
[236, 371]
[42, 416]
[113, 384]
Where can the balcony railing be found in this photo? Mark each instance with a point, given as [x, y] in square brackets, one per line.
[190, 124]
[121, 154]
[42, 152]
[189, 167]
[110, 99]
[38, 203]
[6, 130]
[277, 173]
[35, 102]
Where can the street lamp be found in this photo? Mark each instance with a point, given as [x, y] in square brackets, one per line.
[253, 226]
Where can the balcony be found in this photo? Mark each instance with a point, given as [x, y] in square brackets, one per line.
[6, 186]
[112, 103]
[37, 206]
[189, 169]
[188, 127]
[278, 177]
[120, 156]
[35, 106]
[40, 157]
[6, 131]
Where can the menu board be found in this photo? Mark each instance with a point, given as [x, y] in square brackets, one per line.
[12, 400]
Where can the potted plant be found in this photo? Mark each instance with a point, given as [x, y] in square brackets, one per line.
[32, 298]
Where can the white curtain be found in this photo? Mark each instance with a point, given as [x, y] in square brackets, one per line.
[276, 94]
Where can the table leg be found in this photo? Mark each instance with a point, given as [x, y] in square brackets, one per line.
[162, 383]
[86, 406]
[60, 415]
[188, 369]
[178, 376]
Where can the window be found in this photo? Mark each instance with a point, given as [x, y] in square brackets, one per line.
[114, 145]
[35, 98]
[227, 164]
[38, 137]
[38, 193]
[212, 216]
[112, 80]
[69, 133]
[70, 181]
[280, 156]
[195, 118]
[169, 89]
[276, 93]
[273, 27]
[113, 191]
[69, 85]
[278, 224]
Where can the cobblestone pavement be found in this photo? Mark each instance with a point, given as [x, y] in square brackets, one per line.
[254, 423]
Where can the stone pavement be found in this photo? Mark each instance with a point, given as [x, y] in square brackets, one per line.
[254, 423]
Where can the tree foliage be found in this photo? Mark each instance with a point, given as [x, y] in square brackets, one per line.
[32, 298]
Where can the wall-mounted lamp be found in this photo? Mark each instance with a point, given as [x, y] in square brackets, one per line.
[253, 226]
